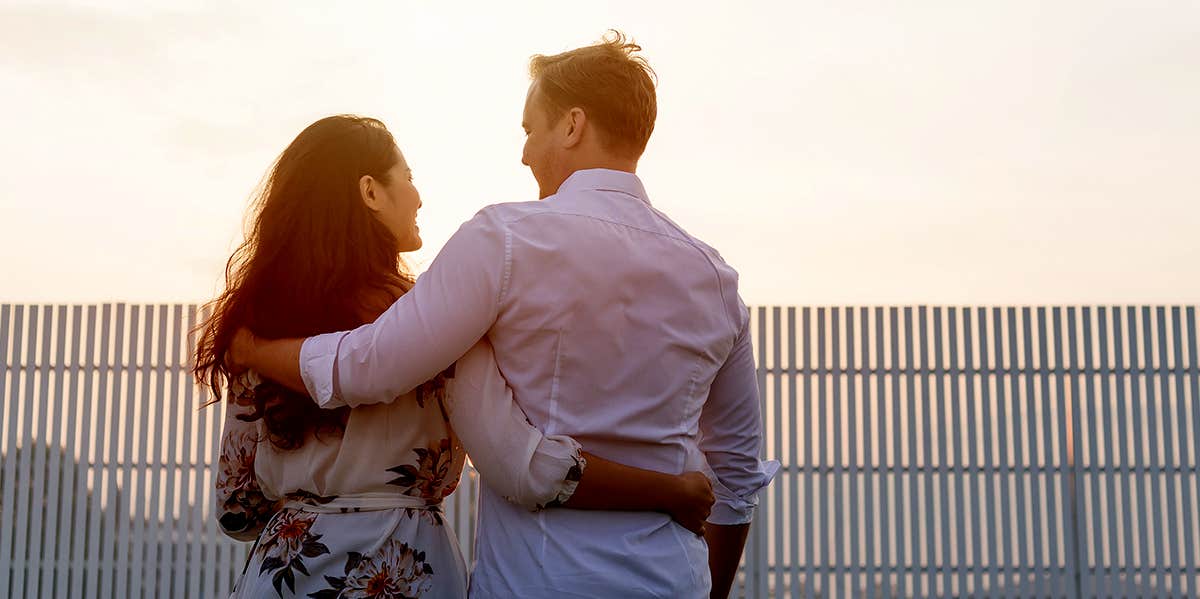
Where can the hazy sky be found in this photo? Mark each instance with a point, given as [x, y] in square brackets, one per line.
[849, 152]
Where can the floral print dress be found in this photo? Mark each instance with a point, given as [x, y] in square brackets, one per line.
[355, 516]
[359, 515]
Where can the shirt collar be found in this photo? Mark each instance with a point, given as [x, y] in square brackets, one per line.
[602, 179]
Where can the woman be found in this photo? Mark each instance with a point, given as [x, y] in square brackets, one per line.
[347, 502]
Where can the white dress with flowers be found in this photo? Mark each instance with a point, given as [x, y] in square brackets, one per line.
[359, 515]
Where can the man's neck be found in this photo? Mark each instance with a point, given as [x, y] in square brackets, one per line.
[610, 163]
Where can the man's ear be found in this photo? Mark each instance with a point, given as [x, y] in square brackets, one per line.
[576, 123]
[366, 189]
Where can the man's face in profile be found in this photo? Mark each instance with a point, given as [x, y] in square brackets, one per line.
[540, 152]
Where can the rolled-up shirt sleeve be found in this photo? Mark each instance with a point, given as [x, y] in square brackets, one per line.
[516, 460]
[731, 436]
[449, 308]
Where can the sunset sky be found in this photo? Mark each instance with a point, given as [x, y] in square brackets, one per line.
[851, 153]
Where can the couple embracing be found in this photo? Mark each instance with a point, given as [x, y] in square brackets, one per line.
[590, 356]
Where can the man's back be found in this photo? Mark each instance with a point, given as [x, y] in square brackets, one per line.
[612, 325]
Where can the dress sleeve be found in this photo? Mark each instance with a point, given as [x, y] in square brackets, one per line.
[516, 460]
[242, 508]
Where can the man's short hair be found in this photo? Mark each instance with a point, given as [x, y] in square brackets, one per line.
[613, 86]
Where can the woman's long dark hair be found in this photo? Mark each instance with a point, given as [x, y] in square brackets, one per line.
[315, 260]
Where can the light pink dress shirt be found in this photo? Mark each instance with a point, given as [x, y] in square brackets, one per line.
[612, 325]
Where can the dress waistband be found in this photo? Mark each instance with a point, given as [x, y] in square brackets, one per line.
[366, 502]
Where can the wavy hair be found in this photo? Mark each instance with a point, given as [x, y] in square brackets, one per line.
[314, 260]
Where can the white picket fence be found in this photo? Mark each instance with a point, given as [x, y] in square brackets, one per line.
[946, 452]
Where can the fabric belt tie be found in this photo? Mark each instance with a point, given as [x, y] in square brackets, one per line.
[363, 503]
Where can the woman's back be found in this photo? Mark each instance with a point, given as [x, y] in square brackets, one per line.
[405, 447]
[351, 507]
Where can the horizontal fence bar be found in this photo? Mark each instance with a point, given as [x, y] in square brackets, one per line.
[920, 372]
[970, 469]
[917, 372]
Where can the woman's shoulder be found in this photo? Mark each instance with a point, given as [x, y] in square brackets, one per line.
[376, 300]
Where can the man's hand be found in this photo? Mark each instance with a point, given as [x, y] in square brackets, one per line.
[274, 359]
[725, 544]
[241, 350]
[692, 501]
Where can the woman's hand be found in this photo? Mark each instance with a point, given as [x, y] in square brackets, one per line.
[691, 501]
[606, 485]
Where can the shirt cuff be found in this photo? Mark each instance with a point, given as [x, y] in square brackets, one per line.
[738, 508]
[555, 470]
[318, 368]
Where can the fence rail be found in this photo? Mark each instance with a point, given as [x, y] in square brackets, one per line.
[927, 451]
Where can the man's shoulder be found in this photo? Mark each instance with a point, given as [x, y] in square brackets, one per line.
[709, 251]
[494, 219]
[507, 212]
[726, 274]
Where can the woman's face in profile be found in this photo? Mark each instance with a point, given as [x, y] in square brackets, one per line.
[397, 203]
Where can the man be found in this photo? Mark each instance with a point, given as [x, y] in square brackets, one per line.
[610, 323]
